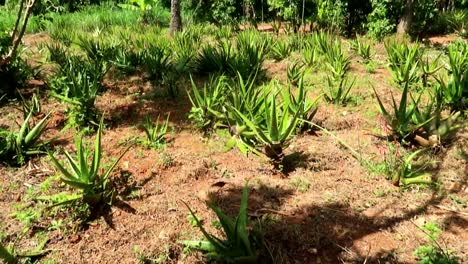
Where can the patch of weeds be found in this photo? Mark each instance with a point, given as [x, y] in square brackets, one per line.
[300, 183]
[192, 219]
[55, 225]
[459, 201]
[370, 67]
[45, 185]
[226, 173]
[139, 154]
[26, 215]
[166, 160]
[434, 252]
[380, 192]
[134, 194]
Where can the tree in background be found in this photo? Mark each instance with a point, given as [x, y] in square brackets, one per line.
[8, 53]
[176, 20]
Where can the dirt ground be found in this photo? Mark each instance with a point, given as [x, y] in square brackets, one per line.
[325, 208]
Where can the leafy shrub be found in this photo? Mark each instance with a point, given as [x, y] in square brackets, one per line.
[332, 15]
[383, 18]
[425, 14]
[15, 73]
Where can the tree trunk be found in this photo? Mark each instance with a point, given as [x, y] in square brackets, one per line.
[176, 20]
[407, 18]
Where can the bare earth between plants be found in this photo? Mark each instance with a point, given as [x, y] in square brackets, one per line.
[324, 207]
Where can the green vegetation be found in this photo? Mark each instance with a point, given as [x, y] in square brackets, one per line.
[272, 78]
[434, 252]
[155, 132]
[240, 244]
[17, 147]
[94, 187]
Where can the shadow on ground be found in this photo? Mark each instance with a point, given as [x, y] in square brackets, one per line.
[318, 233]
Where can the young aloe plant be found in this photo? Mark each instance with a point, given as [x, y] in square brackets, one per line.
[280, 50]
[363, 49]
[338, 89]
[34, 106]
[238, 246]
[403, 63]
[300, 102]
[206, 105]
[400, 120]
[18, 146]
[429, 69]
[455, 92]
[85, 177]
[155, 132]
[279, 129]
[411, 173]
[295, 72]
[7, 256]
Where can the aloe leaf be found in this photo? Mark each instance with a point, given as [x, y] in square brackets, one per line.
[97, 151]
[215, 242]
[36, 132]
[241, 227]
[115, 163]
[273, 121]
[82, 156]
[252, 126]
[199, 245]
[227, 223]
[60, 167]
[21, 134]
[78, 184]
[232, 142]
[73, 164]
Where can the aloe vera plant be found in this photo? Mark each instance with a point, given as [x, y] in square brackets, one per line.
[206, 104]
[32, 106]
[412, 173]
[295, 72]
[17, 147]
[428, 69]
[455, 91]
[300, 102]
[216, 58]
[403, 62]
[280, 126]
[155, 132]
[400, 119]
[239, 245]
[7, 256]
[338, 82]
[93, 186]
[280, 50]
[363, 49]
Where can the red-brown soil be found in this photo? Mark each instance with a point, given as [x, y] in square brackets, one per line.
[347, 215]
